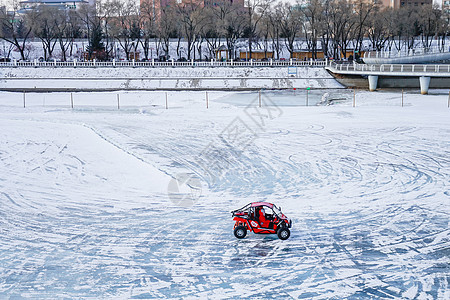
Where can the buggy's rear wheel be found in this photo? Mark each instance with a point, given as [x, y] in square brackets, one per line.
[240, 232]
[283, 233]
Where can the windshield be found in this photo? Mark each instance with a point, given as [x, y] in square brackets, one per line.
[277, 211]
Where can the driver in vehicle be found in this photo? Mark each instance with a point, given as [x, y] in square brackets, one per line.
[263, 220]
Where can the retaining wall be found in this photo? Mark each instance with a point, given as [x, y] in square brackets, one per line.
[181, 78]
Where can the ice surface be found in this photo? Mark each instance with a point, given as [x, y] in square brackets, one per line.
[84, 208]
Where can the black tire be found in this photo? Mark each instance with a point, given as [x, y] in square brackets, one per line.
[240, 232]
[283, 233]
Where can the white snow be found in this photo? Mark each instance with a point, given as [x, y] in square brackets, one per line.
[85, 209]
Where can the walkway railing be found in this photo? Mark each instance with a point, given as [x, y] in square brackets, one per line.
[167, 64]
[405, 52]
[392, 68]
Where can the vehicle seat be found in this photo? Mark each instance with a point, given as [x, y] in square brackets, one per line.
[263, 221]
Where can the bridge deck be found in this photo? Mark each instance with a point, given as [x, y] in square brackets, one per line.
[411, 56]
[438, 70]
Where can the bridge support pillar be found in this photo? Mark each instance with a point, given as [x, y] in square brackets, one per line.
[424, 84]
[373, 81]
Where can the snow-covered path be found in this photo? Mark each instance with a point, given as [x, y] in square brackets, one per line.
[84, 209]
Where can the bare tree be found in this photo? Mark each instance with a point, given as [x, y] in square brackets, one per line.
[336, 25]
[275, 17]
[147, 20]
[69, 28]
[93, 29]
[408, 21]
[166, 29]
[107, 11]
[265, 27]
[394, 29]
[378, 29]
[192, 19]
[313, 25]
[443, 30]
[325, 27]
[291, 23]
[125, 26]
[16, 29]
[343, 23]
[429, 23]
[234, 25]
[46, 28]
[210, 30]
[363, 11]
[256, 9]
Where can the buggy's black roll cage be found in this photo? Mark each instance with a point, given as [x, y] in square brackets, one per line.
[250, 206]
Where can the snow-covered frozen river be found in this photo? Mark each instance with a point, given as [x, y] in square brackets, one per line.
[86, 208]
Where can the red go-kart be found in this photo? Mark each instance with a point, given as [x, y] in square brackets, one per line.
[261, 218]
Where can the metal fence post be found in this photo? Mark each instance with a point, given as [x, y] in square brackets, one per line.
[259, 98]
[402, 97]
[354, 97]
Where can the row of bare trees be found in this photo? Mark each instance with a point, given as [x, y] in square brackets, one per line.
[331, 26]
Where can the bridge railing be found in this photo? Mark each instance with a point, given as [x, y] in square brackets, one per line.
[167, 64]
[438, 68]
[406, 52]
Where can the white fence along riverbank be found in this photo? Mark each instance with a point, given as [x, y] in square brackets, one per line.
[155, 64]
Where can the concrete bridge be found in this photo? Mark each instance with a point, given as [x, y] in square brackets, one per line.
[405, 75]
[409, 56]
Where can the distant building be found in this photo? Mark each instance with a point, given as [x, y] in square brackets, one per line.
[219, 2]
[61, 4]
[156, 6]
[307, 54]
[398, 3]
[256, 54]
[446, 6]
[410, 3]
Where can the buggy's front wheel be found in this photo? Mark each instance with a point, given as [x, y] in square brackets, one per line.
[240, 232]
[283, 233]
